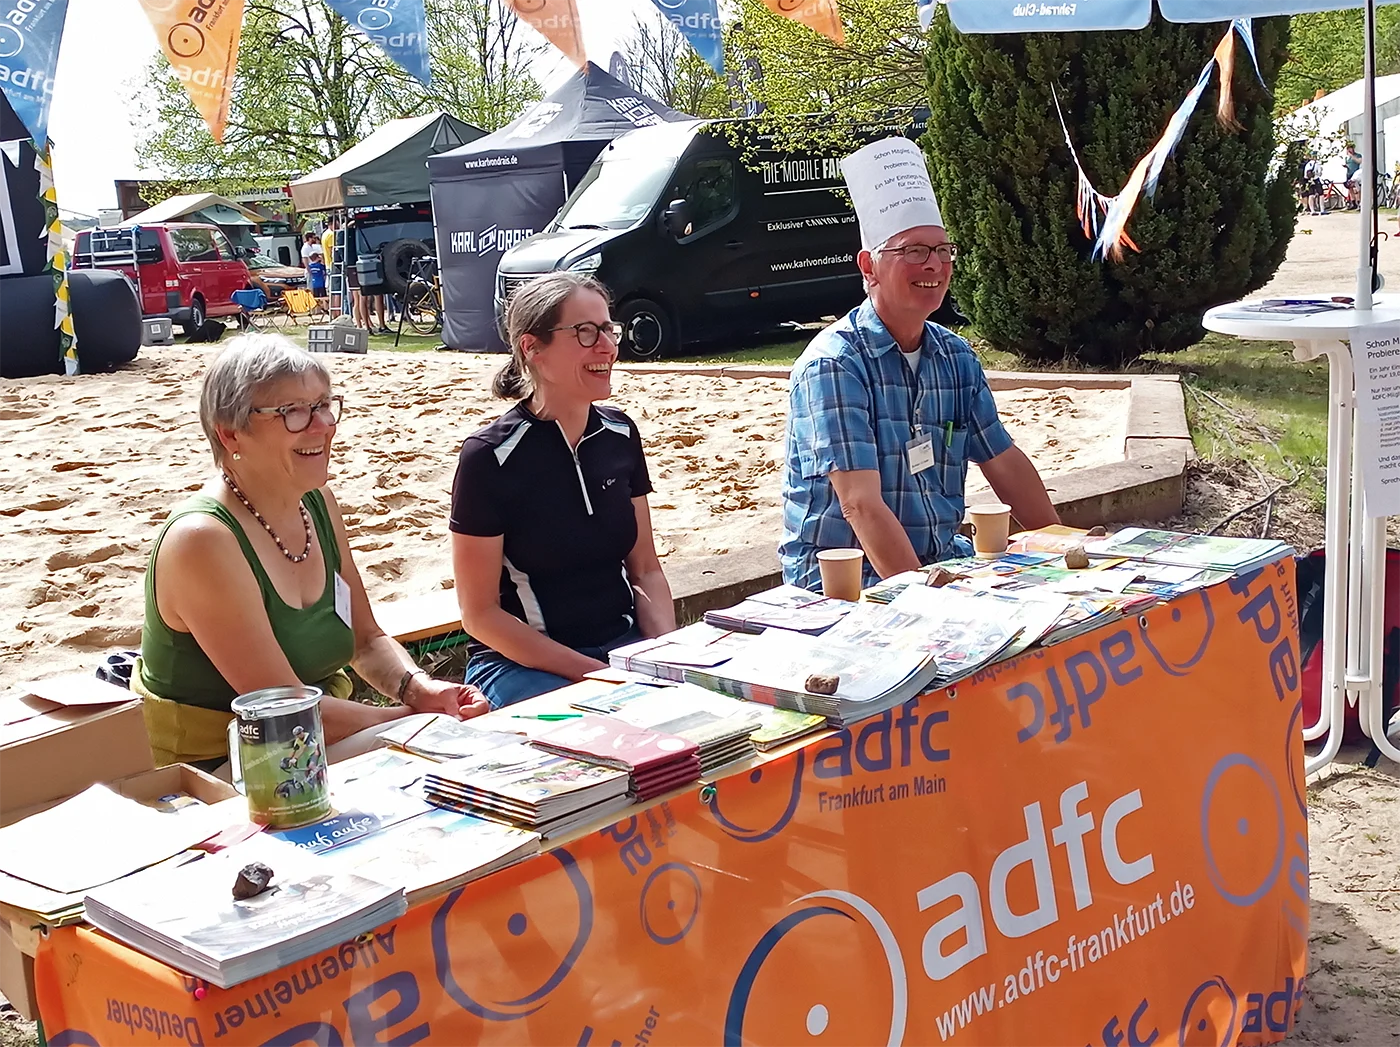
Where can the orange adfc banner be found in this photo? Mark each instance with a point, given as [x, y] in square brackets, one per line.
[557, 21]
[201, 40]
[821, 15]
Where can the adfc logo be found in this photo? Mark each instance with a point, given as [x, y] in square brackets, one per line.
[536, 919]
[832, 1002]
[760, 814]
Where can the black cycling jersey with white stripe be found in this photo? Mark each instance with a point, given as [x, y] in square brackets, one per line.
[565, 514]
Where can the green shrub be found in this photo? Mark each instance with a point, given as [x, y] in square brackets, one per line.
[1217, 229]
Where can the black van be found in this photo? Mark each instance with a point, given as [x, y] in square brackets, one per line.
[700, 238]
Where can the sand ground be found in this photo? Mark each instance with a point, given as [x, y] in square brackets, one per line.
[1322, 259]
[90, 467]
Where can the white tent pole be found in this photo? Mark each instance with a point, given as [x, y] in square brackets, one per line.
[1364, 272]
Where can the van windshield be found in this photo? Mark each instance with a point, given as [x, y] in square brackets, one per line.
[616, 194]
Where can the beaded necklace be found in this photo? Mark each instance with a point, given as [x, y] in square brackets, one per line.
[305, 519]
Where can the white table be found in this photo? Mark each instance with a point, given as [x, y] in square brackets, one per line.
[1353, 613]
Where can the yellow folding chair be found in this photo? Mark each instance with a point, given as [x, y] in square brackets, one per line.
[300, 302]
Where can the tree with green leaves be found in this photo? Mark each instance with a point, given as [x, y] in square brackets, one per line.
[1327, 51]
[664, 67]
[792, 71]
[1217, 229]
[308, 87]
[481, 61]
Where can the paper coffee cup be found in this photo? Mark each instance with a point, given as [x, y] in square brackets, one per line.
[841, 570]
[991, 524]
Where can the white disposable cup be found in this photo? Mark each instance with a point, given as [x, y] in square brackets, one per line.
[991, 525]
[841, 571]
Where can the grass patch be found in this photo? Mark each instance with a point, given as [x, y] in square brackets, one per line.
[1254, 402]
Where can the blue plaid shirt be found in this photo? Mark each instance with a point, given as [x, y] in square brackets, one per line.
[854, 404]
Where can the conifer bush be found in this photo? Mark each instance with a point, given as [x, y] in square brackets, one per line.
[1217, 229]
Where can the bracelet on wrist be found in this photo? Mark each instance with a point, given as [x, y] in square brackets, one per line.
[404, 681]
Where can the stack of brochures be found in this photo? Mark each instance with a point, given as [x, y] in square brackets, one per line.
[444, 738]
[960, 633]
[186, 915]
[529, 788]
[1202, 552]
[657, 762]
[361, 810]
[777, 727]
[786, 607]
[877, 663]
[435, 852]
[1033, 615]
[698, 646]
[720, 726]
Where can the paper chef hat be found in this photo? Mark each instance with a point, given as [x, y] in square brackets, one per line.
[891, 190]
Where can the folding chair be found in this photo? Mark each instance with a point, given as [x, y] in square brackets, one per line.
[301, 302]
[256, 314]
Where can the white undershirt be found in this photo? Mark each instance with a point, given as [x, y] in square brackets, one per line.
[913, 359]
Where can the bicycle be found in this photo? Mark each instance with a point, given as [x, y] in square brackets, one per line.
[1386, 190]
[422, 300]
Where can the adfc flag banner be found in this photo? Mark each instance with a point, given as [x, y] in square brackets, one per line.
[395, 26]
[697, 21]
[821, 15]
[30, 31]
[557, 21]
[1100, 842]
[201, 41]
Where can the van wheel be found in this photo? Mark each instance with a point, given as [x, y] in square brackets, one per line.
[196, 322]
[648, 332]
[399, 257]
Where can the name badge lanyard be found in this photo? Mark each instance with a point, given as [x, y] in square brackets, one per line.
[919, 449]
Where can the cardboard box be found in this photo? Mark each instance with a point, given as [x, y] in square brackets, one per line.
[177, 778]
[16, 963]
[157, 330]
[83, 731]
[336, 338]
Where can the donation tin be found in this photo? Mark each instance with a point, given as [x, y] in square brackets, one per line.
[278, 750]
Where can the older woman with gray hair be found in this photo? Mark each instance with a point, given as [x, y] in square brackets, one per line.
[251, 583]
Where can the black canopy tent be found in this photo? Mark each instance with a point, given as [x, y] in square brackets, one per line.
[491, 194]
[386, 168]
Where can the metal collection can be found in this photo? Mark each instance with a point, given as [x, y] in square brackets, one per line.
[278, 749]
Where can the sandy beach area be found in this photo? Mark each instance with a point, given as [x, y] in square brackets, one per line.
[91, 466]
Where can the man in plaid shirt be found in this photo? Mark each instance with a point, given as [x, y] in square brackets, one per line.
[886, 409]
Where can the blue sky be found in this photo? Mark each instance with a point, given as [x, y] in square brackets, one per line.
[107, 43]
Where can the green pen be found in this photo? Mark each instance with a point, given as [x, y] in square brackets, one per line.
[548, 716]
[948, 434]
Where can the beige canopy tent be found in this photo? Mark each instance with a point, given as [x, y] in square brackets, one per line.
[197, 207]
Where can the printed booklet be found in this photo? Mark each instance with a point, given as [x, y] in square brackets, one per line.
[186, 915]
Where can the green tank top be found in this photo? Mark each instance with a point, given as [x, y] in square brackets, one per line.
[314, 639]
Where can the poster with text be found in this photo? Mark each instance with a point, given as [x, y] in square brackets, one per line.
[1375, 355]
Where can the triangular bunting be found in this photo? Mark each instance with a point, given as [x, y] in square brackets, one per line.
[821, 15]
[396, 27]
[557, 21]
[697, 21]
[29, 39]
[203, 56]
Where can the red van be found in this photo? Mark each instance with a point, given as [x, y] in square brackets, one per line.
[184, 271]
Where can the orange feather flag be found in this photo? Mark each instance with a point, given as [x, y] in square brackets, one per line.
[201, 41]
[557, 21]
[821, 15]
[1225, 58]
